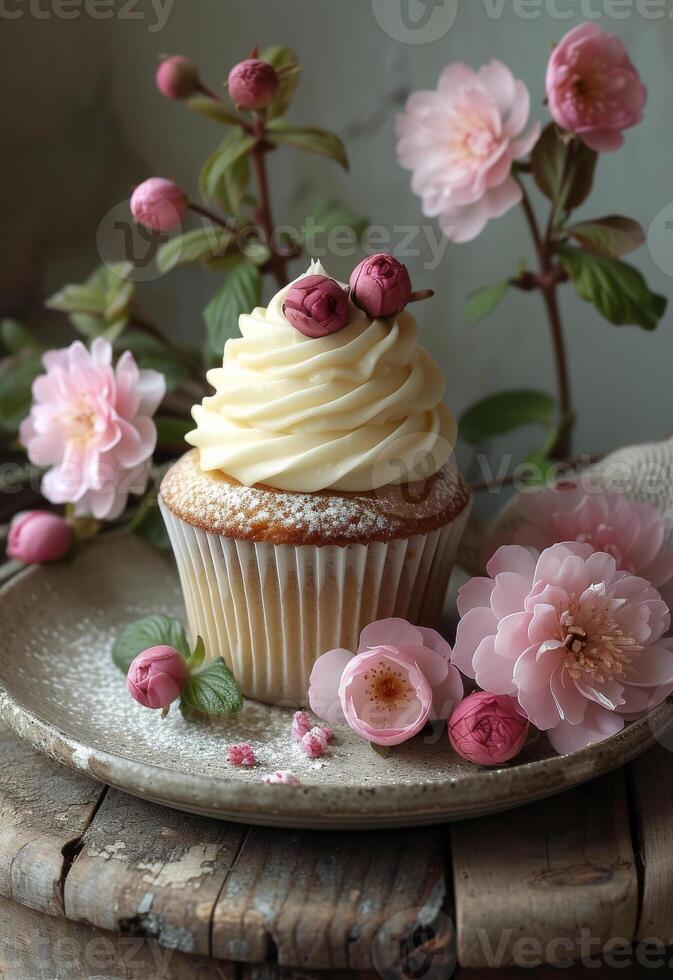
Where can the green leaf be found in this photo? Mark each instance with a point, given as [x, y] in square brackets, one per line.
[215, 110]
[563, 169]
[308, 138]
[285, 61]
[212, 690]
[192, 246]
[239, 294]
[226, 173]
[325, 215]
[172, 430]
[16, 378]
[617, 290]
[611, 236]
[508, 410]
[151, 631]
[151, 354]
[148, 523]
[484, 301]
[99, 307]
[16, 337]
[198, 655]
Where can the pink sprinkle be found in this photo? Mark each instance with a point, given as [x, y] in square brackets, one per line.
[301, 725]
[241, 755]
[283, 776]
[314, 743]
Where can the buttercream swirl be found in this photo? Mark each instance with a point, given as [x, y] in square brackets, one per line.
[355, 410]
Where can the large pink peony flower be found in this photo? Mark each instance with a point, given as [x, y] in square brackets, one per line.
[633, 533]
[460, 142]
[593, 88]
[400, 678]
[577, 641]
[92, 424]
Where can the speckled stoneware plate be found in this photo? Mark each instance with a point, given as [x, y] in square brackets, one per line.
[60, 690]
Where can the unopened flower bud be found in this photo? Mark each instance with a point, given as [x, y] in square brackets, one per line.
[159, 204]
[380, 285]
[253, 83]
[157, 676]
[37, 536]
[177, 77]
[316, 306]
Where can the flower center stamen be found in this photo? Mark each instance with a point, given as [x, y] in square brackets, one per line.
[598, 649]
[387, 687]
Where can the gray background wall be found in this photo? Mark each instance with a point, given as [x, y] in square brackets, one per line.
[83, 123]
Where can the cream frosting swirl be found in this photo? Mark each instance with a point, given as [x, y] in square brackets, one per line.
[355, 410]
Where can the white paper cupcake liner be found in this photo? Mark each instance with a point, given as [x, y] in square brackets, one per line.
[272, 610]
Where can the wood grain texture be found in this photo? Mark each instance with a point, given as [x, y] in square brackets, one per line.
[551, 874]
[652, 786]
[43, 809]
[151, 871]
[39, 947]
[319, 901]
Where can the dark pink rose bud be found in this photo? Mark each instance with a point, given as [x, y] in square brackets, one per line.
[37, 536]
[316, 306]
[253, 83]
[159, 204]
[380, 285]
[487, 729]
[157, 676]
[177, 77]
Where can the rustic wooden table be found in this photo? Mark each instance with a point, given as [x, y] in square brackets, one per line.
[94, 883]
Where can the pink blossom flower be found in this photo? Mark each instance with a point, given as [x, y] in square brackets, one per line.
[242, 754]
[283, 777]
[36, 536]
[177, 77]
[578, 642]
[159, 204]
[92, 424]
[461, 140]
[157, 676]
[253, 83]
[593, 88]
[314, 743]
[633, 533]
[488, 729]
[399, 679]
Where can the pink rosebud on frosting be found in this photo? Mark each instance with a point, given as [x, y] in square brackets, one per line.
[159, 204]
[284, 777]
[36, 536]
[380, 285]
[487, 729]
[242, 754]
[177, 77]
[593, 88]
[253, 83]
[301, 724]
[316, 306]
[157, 676]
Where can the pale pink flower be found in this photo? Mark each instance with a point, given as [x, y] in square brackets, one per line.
[488, 729]
[400, 678]
[633, 533]
[461, 140]
[92, 424]
[578, 642]
[593, 88]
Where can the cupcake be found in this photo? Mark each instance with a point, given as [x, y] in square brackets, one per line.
[320, 494]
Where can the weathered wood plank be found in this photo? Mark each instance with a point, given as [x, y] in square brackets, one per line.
[151, 871]
[318, 901]
[39, 947]
[43, 809]
[652, 783]
[552, 875]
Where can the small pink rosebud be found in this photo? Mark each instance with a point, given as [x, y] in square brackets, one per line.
[314, 743]
[316, 306]
[253, 83]
[36, 536]
[283, 776]
[177, 77]
[241, 755]
[380, 285]
[301, 724]
[159, 204]
[487, 729]
[157, 676]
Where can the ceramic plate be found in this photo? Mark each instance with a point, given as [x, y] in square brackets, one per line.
[60, 690]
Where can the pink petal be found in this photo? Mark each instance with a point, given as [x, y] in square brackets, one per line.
[509, 593]
[475, 593]
[434, 641]
[492, 673]
[512, 558]
[598, 724]
[323, 685]
[472, 629]
[388, 632]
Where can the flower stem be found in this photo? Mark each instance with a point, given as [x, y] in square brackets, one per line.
[547, 284]
[211, 216]
[139, 322]
[278, 262]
